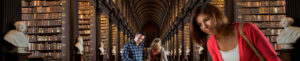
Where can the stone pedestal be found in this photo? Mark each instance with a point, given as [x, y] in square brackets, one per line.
[36, 58]
[79, 57]
[23, 56]
[285, 54]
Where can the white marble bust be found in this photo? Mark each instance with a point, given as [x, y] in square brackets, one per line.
[114, 50]
[289, 34]
[187, 51]
[18, 38]
[200, 49]
[101, 49]
[79, 45]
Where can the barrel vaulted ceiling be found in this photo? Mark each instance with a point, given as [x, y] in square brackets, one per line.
[141, 12]
[150, 10]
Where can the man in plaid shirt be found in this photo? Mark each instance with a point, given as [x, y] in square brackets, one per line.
[133, 51]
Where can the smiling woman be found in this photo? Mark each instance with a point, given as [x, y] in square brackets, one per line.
[214, 21]
[224, 43]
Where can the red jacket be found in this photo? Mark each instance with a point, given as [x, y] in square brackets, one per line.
[255, 36]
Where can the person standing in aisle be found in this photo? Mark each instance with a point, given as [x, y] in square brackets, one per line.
[133, 50]
[229, 41]
[156, 51]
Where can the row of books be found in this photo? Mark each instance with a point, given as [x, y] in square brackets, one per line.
[84, 22]
[86, 37]
[271, 9]
[45, 46]
[85, 11]
[219, 6]
[103, 27]
[43, 22]
[261, 3]
[86, 43]
[34, 38]
[87, 16]
[85, 7]
[84, 3]
[272, 38]
[278, 46]
[261, 17]
[28, 10]
[268, 24]
[44, 30]
[42, 9]
[42, 16]
[84, 26]
[84, 31]
[271, 31]
[49, 9]
[217, 2]
[86, 49]
[41, 3]
[262, 10]
[49, 55]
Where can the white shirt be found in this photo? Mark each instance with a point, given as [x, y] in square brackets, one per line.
[231, 55]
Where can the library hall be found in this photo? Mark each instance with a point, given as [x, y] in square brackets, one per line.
[150, 30]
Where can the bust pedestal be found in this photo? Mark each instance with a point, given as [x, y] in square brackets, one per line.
[23, 56]
[285, 54]
[79, 57]
[35, 58]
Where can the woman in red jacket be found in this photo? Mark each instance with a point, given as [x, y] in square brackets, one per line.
[225, 43]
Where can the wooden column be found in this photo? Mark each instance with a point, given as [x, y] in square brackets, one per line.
[74, 30]
[229, 10]
[98, 33]
[173, 45]
[109, 53]
[183, 43]
[177, 44]
[118, 43]
[191, 56]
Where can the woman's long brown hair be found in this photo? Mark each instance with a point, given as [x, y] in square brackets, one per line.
[218, 20]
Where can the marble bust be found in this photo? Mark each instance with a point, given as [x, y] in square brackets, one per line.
[79, 45]
[114, 50]
[101, 49]
[289, 34]
[187, 51]
[18, 38]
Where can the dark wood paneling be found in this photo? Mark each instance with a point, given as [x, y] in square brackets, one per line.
[293, 10]
[229, 10]
[10, 13]
[74, 30]
[98, 33]
[110, 55]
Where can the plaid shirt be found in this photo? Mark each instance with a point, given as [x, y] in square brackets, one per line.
[132, 52]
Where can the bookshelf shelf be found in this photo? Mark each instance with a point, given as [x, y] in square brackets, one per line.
[265, 14]
[45, 28]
